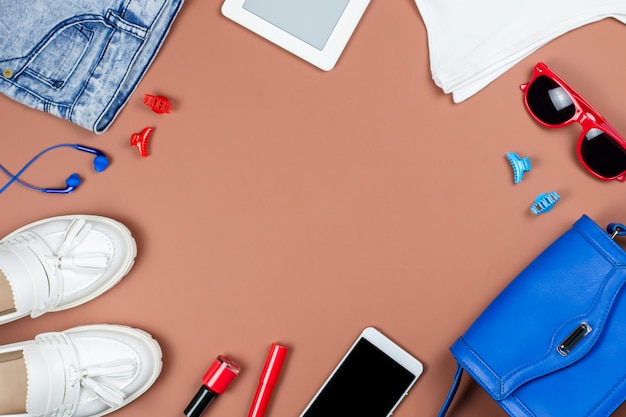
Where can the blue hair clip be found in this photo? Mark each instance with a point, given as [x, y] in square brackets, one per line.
[544, 202]
[519, 165]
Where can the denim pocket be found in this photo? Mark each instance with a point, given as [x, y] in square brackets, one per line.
[61, 63]
[80, 61]
[57, 67]
[59, 55]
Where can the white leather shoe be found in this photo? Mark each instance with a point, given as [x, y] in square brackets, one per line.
[87, 371]
[61, 262]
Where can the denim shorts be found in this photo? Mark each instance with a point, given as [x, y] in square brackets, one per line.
[80, 60]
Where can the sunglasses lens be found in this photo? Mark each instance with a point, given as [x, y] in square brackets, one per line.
[603, 154]
[549, 102]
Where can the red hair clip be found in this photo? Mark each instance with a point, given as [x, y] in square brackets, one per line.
[140, 140]
[158, 104]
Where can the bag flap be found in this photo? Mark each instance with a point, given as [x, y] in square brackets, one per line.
[550, 316]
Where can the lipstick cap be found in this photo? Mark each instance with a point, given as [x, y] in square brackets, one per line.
[220, 374]
[273, 364]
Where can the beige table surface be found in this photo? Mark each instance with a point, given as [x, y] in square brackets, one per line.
[281, 203]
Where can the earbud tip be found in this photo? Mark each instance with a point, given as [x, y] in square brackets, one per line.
[73, 180]
[100, 163]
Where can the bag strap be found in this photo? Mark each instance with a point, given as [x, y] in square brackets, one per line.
[455, 386]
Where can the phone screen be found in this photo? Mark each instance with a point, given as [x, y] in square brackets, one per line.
[367, 383]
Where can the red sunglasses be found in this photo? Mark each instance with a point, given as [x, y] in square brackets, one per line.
[553, 103]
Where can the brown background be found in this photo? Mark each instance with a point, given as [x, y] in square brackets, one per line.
[281, 203]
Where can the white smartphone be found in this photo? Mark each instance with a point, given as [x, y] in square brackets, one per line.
[370, 381]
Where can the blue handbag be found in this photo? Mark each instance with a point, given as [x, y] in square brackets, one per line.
[553, 342]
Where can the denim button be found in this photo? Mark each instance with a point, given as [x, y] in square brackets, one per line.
[7, 73]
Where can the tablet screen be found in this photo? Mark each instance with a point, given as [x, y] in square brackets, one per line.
[311, 21]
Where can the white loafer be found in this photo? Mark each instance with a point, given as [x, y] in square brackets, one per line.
[62, 262]
[87, 371]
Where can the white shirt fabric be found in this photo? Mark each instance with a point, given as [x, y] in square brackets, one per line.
[471, 43]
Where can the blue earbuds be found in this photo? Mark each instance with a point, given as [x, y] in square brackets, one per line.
[100, 163]
[71, 183]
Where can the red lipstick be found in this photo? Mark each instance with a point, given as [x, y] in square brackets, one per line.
[269, 376]
[215, 381]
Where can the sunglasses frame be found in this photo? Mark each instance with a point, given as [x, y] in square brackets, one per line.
[585, 115]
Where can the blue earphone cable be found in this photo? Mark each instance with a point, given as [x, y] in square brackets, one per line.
[15, 178]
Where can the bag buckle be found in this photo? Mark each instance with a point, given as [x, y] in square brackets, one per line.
[616, 229]
[574, 338]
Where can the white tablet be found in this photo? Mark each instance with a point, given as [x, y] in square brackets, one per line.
[315, 30]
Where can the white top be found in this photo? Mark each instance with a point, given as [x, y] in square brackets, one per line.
[471, 43]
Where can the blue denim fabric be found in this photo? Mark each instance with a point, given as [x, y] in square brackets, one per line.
[80, 60]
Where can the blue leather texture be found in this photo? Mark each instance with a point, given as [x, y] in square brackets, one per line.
[511, 348]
